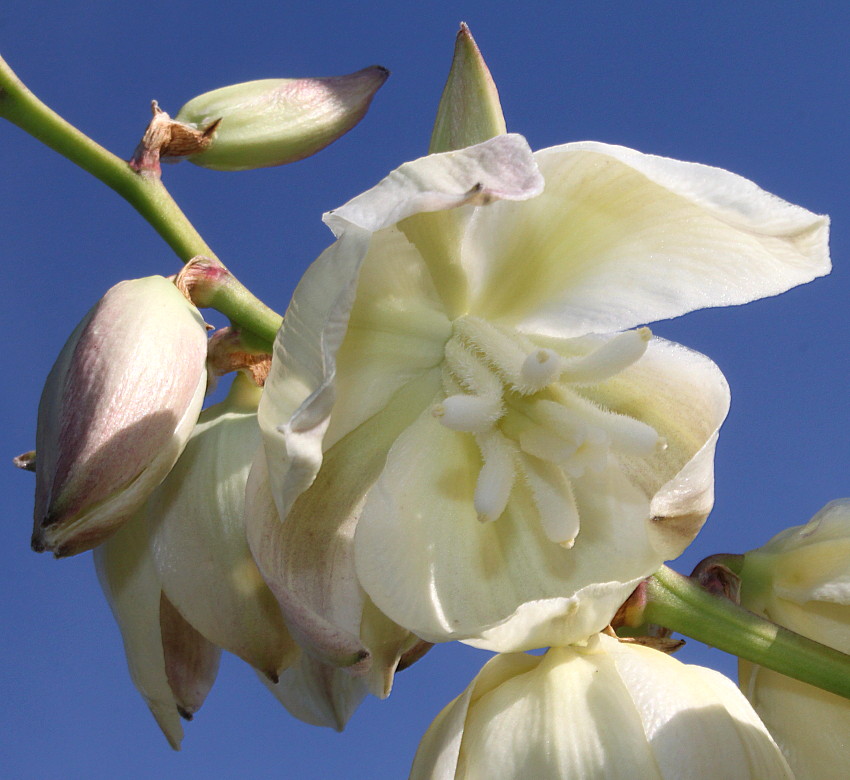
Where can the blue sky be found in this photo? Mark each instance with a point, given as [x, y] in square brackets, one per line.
[761, 88]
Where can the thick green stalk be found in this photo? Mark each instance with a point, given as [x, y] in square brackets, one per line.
[679, 604]
[146, 194]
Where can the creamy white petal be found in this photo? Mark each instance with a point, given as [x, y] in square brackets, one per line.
[427, 561]
[809, 724]
[299, 392]
[812, 559]
[695, 700]
[438, 752]
[604, 710]
[621, 238]
[338, 644]
[308, 558]
[496, 169]
[557, 621]
[684, 397]
[128, 578]
[300, 389]
[317, 693]
[199, 547]
[396, 332]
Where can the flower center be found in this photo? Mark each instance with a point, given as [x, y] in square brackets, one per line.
[520, 402]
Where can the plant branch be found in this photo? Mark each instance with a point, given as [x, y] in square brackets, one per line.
[678, 603]
[146, 194]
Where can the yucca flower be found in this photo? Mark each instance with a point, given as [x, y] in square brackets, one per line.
[462, 426]
[604, 710]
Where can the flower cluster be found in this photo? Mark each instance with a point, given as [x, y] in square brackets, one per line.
[466, 432]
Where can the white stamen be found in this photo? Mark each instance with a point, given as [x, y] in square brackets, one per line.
[609, 359]
[563, 422]
[631, 436]
[496, 478]
[506, 352]
[470, 413]
[588, 457]
[470, 370]
[618, 431]
[541, 368]
[555, 501]
[546, 445]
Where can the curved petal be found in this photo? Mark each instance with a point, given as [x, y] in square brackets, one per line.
[809, 724]
[199, 548]
[602, 710]
[432, 200]
[426, 560]
[439, 751]
[811, 560]
[128, 578]
[704, 701]
[396, 332]
[299, 394]
[496, 169]
[621, 238]
[191, 661]
[557, 621]
[318, 693]
[683, 395]
[307, 559]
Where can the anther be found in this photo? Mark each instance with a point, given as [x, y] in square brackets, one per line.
[541, 368]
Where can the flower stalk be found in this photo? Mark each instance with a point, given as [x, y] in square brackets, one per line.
[146, 194]
[678, 603]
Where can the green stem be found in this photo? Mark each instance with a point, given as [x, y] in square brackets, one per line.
[678, 603]
[146, 194]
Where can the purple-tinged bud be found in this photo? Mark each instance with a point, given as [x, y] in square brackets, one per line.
[276, 121]
[116, 412]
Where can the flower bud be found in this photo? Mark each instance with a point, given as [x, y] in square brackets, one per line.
[469, 110]
[801, 580]
[277, 121]
[116, 411]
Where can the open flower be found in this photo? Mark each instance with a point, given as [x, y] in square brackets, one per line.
[459, 417]
[800, 579]
[607, 710]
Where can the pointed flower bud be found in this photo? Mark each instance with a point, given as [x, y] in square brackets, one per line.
[800, 579]
[277, 121]
[469, 110]
[116, 411]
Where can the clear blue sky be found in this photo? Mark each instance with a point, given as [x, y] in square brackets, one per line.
[761, 88]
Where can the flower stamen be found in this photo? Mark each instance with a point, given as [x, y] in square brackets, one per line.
[496, 478]
[608, 360]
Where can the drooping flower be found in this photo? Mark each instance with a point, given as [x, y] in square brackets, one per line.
[607, 710]
[460, 417]
[116, 412]
[182, 585]
[172, 666]
[197, 539]
[800, 579]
